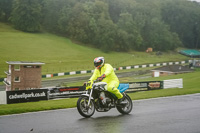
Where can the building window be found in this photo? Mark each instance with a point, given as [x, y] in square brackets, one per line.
[28, 66]
[17, 67]
[17, 79]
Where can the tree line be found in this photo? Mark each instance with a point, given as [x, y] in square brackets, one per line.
[110, 25]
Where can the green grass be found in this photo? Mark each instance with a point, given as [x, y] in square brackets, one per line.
[62, 55]
[190, 86]
[37, 106]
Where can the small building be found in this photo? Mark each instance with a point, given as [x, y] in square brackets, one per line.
[195, 63]
[170, 70]
[23, 75]
[149, 50]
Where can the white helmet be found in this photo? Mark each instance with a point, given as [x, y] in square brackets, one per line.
[99, 62]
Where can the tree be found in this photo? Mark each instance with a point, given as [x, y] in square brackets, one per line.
[64, 19]
[130, 35]
[26, 15]
[5, 9]
[102, 27]
[183, 18]
[105, 35]
[55, 14]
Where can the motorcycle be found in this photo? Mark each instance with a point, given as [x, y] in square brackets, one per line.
[101, 100]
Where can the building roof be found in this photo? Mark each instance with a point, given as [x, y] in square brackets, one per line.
[173, 69]
[24, 63]
[191, 53]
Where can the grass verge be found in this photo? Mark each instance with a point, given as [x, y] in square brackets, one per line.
[37, 106]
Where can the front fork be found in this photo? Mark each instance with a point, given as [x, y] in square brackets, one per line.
[90, 97]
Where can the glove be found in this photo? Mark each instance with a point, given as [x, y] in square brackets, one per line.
[89, 84]
[85, 83]
[101, 78]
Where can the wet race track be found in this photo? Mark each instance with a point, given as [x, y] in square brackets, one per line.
[178, 114]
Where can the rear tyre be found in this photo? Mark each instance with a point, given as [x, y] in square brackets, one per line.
[83, 108]
[127, 107]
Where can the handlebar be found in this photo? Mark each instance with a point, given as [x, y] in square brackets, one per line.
[85, 83]
[96, 80]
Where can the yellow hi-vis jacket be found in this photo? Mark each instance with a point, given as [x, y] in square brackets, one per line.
[110, 78]
[108, 70]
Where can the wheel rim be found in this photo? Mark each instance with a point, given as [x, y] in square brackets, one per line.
[127, 107]
[87, 110]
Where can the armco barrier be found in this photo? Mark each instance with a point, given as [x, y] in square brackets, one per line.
[61, 92]
[145, 86]
[7, 97]
[117, 69]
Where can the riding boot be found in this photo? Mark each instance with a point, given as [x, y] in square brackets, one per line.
[120, 101]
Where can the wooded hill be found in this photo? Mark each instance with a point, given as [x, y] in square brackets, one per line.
[110, 25]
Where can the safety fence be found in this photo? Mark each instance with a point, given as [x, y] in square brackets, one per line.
[119, 68]
[8, 97]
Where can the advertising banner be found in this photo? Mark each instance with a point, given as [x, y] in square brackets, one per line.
[144, 86]
[63, 92]
[26, 95]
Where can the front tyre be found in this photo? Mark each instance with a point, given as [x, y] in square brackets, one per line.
[127, 105]
[83, 108]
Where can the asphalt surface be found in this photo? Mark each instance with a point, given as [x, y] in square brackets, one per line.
[177, 114]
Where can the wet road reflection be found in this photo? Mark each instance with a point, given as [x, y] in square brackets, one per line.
[106, 124]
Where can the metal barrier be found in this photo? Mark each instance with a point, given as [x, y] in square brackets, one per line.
[8, 97]
[63, 92]
[119, 68]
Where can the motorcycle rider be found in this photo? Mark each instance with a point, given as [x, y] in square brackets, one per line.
[104, 72]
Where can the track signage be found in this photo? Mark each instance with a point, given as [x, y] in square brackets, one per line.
[26, 95]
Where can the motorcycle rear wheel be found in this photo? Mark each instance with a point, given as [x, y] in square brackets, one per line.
[127, 108]
[83, 108]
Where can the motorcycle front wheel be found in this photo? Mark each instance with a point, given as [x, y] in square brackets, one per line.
[83, 108]
[127, 107]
